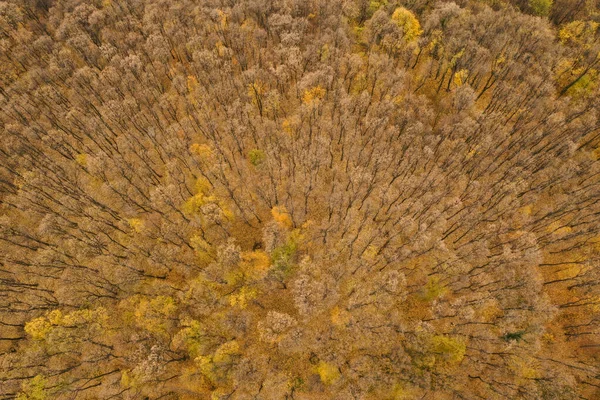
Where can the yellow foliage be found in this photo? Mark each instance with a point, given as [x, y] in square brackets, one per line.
[192, 83]
[34, 389]
[201, 247]
[82, 317]
[408, 22]
[255, 90]
[152, 315]
[256, 157]
[220, 49]
[126, 379]
[526, 209]
[55, 317]
[219, 393]
[577, 31]
[375, 5]
[556, 228]
[190, 337]
[585, 84]
[324, 52]
[399, 100]
[370, 253]
[435, 39]
[595, 300]
[281, 215]
[194, 204]
[569, 272]
[433, 289]
[235, 277]
[249, 25]
[548, 338]
[206, 366]
[227, 213]
[328, 373]
[340, 317]
[457, 57]
[222, 18]
[226, 352]
[523, 368]
[163, 305]
[256, 263]
[448, 348]
[400, 392]
[460, 77]
[38, 328]
[193, 383]
[541, 7]
[489, 311]
[286, 125]
[313, 95]
[202, 186]
[81, 159]
[501, 59]
[201, 150]
[290, 124]
[136, 224]
[199, 244]
[242, 297]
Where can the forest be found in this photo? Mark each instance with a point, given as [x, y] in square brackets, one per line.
[300, 199]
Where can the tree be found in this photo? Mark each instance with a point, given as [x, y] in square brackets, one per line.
[291, 199]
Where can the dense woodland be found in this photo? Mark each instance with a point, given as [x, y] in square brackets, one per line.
[299, 199]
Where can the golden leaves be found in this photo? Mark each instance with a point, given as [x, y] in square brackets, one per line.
[214, 366]
[256, 90]
[38, 328]
[448, 349]
[340, 317]
[222, 18]
[558, 229]
[256, 263]
[370, 253]
[190, 337]
[205, 205]
[408, 22]
[541, 7]
[328, 373]
[524, 367]
[203, 151]
[577, 31]
[226, 351]
[313, 95]
[192, 83]
[136, 224]
[150, 314]
[242, 297]
[34, 389]
[81, 159]
[460, 77]
[433, 289]
[256, 157]
[282, 216]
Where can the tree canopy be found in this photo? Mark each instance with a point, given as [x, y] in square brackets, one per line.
[292, 199]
